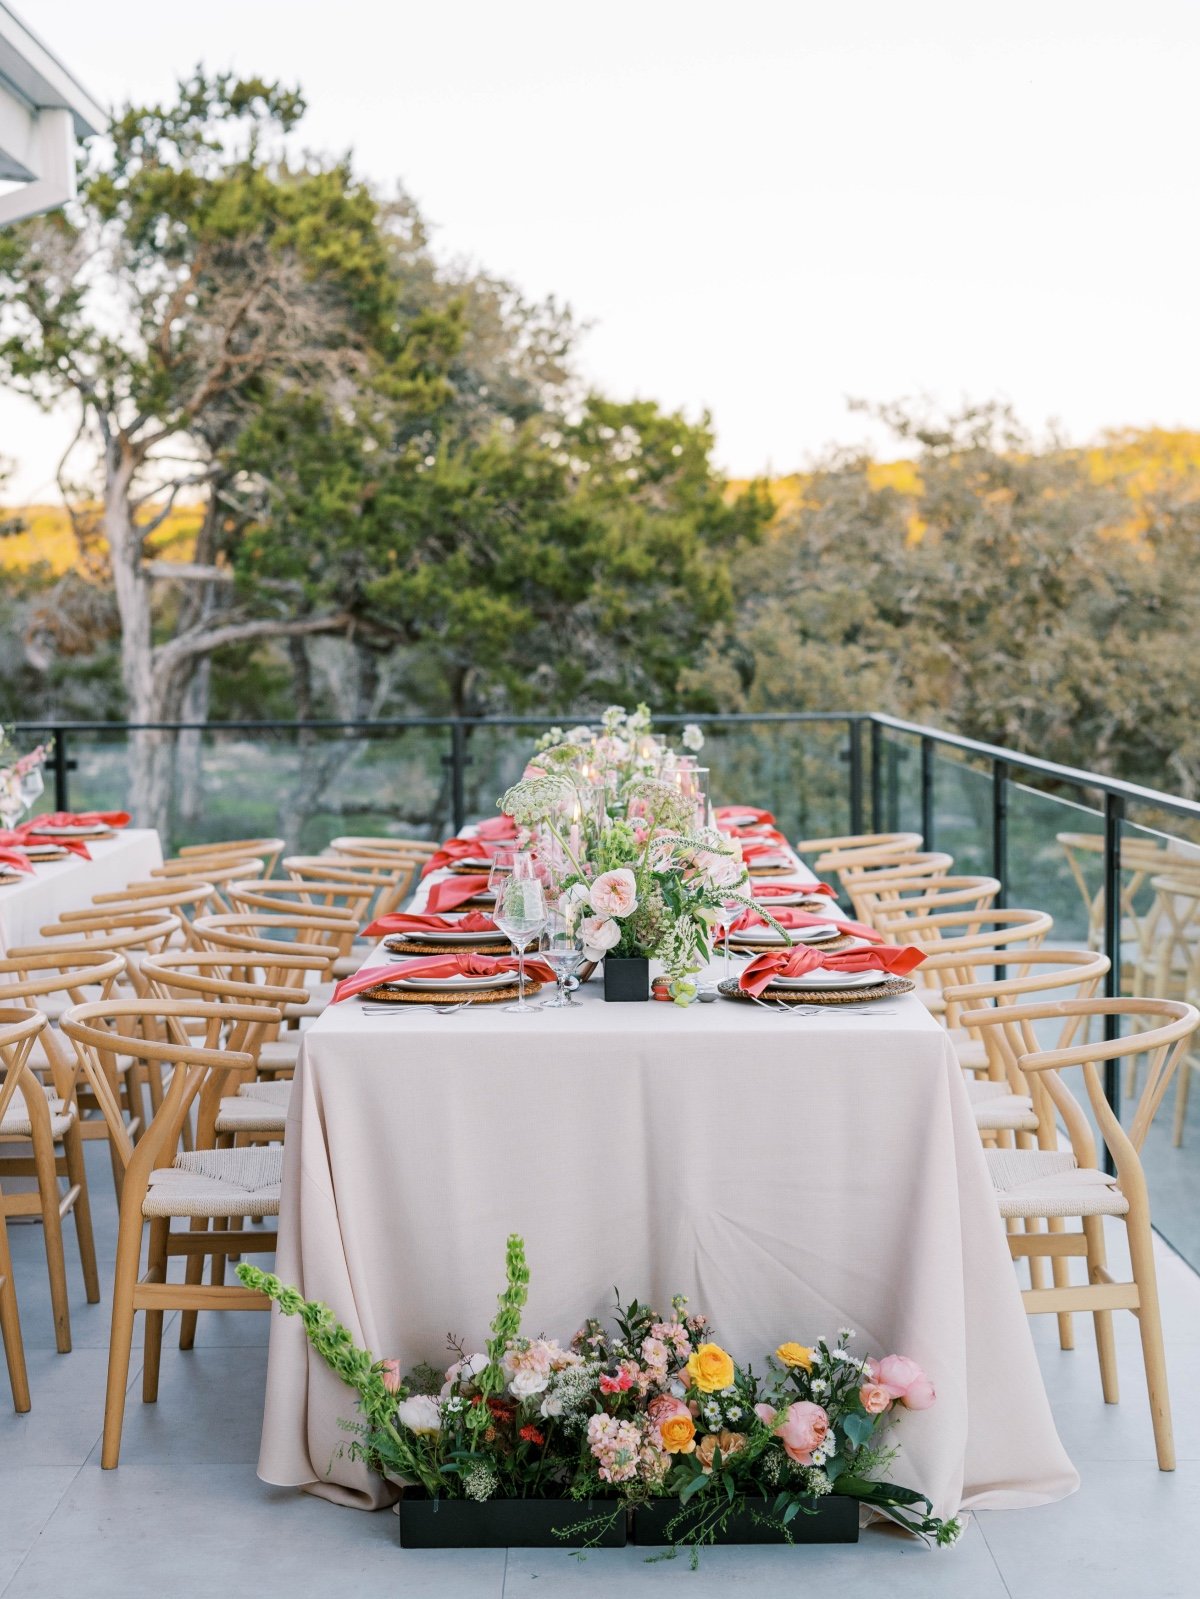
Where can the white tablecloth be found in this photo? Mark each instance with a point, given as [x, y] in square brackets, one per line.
[790, 1175]
[36, 901]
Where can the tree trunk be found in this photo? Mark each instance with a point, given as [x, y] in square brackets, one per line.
[189, 754]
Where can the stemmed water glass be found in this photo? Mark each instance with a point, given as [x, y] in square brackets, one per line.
[724, 917]
[520, 914]
[562, 950]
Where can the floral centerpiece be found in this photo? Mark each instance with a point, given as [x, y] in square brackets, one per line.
[20, 777]
[651, 1415]
[634, 869]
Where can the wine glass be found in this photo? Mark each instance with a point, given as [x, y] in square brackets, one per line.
[520, 914]
[562, 950]
[12, 801]
[724, 917]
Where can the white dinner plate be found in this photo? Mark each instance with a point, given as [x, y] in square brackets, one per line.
[460, 982]
[796, 898]
[743, 819]
[821, 979]
[36, 851]
[417, 937]
[800, 935]
[772, 858]
[88, 831]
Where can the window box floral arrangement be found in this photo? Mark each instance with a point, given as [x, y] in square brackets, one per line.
[532, 1441]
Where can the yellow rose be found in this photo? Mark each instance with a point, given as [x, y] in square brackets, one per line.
[710, 1368]
[794, 1355]
[678, 1434]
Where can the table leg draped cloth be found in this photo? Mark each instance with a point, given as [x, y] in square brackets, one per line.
[68, 885]
[791, 1175]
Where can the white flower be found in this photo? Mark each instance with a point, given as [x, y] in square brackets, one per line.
[420, 1414]
[718, 869]
[615, 893]
[598, 933]
[527, 1382]
[692, 737]
[579, 735]
[552, 1405]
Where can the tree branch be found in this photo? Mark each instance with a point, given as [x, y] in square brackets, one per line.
[203, 640]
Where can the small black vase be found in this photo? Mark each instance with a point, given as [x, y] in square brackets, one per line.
[626, 977]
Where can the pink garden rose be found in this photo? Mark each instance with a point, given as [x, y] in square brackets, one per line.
[904, 1380]
[389, 1370]
[615, 893]
[598, 934]
[874, 1398]
[802, 1430]
[766, 1414]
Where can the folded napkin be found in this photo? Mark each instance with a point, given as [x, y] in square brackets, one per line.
[439, 966]
[16, 859]
[460, 849]
[754, 849]
[758, 835]
[496, 827]
[454, 891]
[410, 922]
[724, 812]
[37, 824]
[791, 917]
[19, 837]
[761, 972]
[776, 890]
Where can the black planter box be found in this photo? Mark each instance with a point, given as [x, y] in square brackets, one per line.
[626, 977]
[835, 1521]
[427, 1523]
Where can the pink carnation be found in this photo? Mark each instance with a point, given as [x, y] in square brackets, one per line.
[904, 1380]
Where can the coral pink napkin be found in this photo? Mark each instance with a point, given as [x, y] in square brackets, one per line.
[411, 922]
[724, 812]
[763, 969]
[37, 824]
[497, 827]
[15, 858]
[454, 891]
[439, 966]
[791, 917]
[17, 838]
[460, 849]
[776, 890]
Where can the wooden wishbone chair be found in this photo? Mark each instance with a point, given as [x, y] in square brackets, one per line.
[18, 1030]
[162, 1185]
[1069, 1183]
[387, 880]
[268, 849]
[239, 870]
[185, 898]
[856, 848]
[45, 1115]
[871, 888]
[415, 848]
[269, 933]
[950, 932]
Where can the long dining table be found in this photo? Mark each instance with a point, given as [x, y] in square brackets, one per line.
[791, 1174]
[36, 899]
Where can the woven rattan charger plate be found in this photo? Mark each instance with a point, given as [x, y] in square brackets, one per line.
[888, 988]
[457, 869]
[772, 871]
[448, 996]
[414, 946]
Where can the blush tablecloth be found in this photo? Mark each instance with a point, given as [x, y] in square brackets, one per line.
[790, 1175]
[67, 885]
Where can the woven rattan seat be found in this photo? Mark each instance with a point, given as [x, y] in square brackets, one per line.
[218, 1182]
[997, 1109]
[16, 1123]
[255, 1108]
[1048, 1182]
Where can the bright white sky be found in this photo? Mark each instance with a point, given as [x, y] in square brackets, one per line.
[762, 207]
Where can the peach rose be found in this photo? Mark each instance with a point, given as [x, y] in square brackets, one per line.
[615, 893]
[874, 1398]
[710, 1368]
[673, 1422]
[802, 1430]
[389, 1370]
[904, 1380]
[727, 1442]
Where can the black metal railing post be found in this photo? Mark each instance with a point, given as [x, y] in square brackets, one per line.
[62, 768]
[893, 787]
[458, 759]
[877, 816]
[927, 794]
[1114, 816]
[856, 777]
[1000, 830]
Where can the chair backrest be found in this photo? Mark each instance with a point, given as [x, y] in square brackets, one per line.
[41, 973]
[339, 906]
[961, 931]
[131, 933]
[1164, 1047]
[869, 888]
[926, 895]
[856, 848]
[19, 1028]
[1006, 977]
[157, 1032]
[317, 938]
[267, 849]
[182, 897]
[215, 872]
[223, 977]
[388, 878]
[414, 848]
